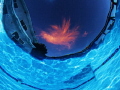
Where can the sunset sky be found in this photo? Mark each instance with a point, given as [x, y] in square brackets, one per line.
[67, 26]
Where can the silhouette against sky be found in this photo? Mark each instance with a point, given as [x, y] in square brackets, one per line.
[67, 26]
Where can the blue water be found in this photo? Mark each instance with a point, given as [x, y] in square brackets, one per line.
[99, 69]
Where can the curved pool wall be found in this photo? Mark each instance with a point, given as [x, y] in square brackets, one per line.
[98, 69]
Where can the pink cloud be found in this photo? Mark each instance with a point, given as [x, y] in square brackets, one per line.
[85, 34]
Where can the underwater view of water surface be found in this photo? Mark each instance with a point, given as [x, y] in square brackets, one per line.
[98, 69]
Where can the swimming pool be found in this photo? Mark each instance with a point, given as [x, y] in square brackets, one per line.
[96, 70]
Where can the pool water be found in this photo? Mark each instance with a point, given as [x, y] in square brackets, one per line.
[99, 69]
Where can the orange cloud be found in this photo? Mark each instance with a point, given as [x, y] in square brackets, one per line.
[61, 35]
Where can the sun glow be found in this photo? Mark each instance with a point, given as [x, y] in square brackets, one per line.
[61, 35]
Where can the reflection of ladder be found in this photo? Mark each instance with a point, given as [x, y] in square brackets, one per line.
[85, 74]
